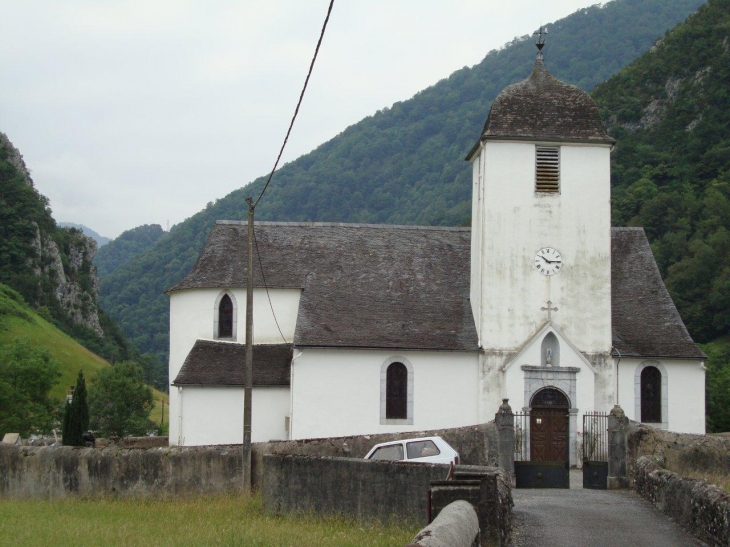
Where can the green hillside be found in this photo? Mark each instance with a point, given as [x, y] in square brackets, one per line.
[670, 113]
[126, 247]
[18, 320]
[405, 164]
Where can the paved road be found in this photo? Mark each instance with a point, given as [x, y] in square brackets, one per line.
[592, 518]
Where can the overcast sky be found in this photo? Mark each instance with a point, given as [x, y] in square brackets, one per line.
[141, 112]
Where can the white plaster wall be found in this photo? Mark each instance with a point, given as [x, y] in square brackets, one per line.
[337, 392]
[214, 415]
[517, 222]
[192, 316]
[685, 392]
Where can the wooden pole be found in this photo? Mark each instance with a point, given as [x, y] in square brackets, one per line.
[248, 365]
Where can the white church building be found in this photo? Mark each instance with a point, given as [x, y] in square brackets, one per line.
[379, 328]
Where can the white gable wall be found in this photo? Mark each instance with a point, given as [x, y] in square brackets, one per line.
[193, 315]
[683, 392]
[338, 391]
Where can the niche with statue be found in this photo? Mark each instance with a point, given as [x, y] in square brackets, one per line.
[550, 351]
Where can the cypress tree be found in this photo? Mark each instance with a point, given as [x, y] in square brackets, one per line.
[66, 415]
[76, 420]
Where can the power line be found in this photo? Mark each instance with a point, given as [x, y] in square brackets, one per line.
[301, 97]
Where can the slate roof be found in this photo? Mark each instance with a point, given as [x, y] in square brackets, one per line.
[373, 286]
[543, 108]
[221, 364]
[380, 286]
[645, 321]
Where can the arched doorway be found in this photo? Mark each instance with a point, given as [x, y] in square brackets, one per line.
[549, 426]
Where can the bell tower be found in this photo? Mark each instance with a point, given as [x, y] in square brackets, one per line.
[541, 218]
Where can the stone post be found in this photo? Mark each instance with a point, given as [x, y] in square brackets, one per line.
[618, 425]
[505, 420]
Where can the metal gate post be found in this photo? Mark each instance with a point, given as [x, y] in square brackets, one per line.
[618, 425]
[505, 420]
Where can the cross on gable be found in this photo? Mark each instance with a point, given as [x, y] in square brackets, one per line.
[549, 309]
[540, 33]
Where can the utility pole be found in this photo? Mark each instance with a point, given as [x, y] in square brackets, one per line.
[248, 364]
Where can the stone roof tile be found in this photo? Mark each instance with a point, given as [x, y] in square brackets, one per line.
[646, 322]
[212, 363]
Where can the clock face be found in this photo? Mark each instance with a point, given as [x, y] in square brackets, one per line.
[548, 261]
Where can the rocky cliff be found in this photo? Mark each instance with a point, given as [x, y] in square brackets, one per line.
[51, 266]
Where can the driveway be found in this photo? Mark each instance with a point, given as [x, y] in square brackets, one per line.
[592, 518]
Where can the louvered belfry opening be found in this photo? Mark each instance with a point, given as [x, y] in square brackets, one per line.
[547, 169]
[225, 318]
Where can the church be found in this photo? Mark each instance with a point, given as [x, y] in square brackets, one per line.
[364, 329]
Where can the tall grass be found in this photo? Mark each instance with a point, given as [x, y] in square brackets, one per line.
[233, 520]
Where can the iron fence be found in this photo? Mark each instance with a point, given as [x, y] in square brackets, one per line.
[595, 437]
[522, 437]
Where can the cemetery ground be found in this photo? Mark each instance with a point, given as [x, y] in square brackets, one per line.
[232, 520]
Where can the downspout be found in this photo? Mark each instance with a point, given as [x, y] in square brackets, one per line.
[179, 417]
[291, 396]
[617, 364]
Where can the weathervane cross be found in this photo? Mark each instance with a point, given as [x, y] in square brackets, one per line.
[549, 309]
[540, 33]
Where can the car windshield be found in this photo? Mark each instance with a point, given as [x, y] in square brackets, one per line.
[391, 452]
[422, 449]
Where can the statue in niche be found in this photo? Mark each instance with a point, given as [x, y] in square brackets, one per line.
[549, 356]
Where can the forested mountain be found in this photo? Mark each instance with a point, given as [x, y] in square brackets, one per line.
[670, 113]
[405, 164]
[126, 247]
[100, 239]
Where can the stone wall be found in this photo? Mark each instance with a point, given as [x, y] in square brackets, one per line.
[679, 452]
[701, 508]
[477, 445]
[56, 472]
[142, 467]
[364, 489]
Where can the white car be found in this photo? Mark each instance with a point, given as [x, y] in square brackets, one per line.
[421, 450]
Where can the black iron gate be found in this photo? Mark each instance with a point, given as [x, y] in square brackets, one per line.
[541, 448]
[595, 450]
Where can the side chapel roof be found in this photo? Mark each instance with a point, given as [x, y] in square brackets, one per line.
[380, 286]
[645, 321]
[221, 364]
[543, 108]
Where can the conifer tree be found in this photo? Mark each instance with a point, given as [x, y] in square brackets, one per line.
[78, 415]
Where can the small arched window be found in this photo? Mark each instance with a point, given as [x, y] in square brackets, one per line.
[225, 317]
[651, 395]
[396, 398]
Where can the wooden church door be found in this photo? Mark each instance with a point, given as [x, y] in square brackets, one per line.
[549, 427]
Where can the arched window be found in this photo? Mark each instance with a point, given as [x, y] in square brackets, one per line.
[651, 395]
[225, 317]
[396, 398]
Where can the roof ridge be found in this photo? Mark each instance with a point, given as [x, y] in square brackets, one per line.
[345, 225]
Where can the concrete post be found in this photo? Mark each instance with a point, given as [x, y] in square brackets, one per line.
[505, 420]
[618, 425]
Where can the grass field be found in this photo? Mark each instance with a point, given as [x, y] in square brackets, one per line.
[234, 520]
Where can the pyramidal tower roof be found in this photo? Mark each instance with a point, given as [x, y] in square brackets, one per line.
[543, 108]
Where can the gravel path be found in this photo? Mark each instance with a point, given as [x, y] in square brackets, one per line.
[592, 518]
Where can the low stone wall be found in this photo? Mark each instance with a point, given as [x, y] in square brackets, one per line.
[701, 508]
[53, 472]
[679, 452]
[477, 445]
[369, 490]
[457, 525]
[354, 488]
